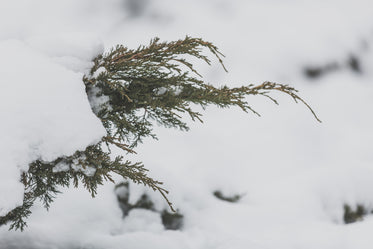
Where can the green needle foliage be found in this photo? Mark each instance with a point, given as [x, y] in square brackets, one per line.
[130, 90]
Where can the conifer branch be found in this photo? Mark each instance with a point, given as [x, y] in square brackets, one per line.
[154, 83]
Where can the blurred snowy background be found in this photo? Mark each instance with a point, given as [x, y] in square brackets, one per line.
[293, 175]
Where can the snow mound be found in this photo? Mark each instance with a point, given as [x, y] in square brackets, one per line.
[45, 114]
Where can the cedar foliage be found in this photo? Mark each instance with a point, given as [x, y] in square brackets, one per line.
[130, 90]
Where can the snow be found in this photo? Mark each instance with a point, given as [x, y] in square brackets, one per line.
[45, 113]
[97, 102]
[100, 70]
[61, 167]
[176, 90]
[295, 174]
[88, 171]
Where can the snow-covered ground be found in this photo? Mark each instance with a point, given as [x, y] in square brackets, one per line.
[294, 174]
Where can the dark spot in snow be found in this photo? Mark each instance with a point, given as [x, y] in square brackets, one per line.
[172, 221]
[234, 198]
[351, 216]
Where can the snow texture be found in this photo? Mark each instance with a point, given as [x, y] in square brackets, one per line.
[43, 104]
[294, 174]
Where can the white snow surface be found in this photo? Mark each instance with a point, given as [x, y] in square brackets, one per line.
[294, 173]
[44, 109]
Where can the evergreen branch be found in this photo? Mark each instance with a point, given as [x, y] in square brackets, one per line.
[154, 83]
[43, 179]
[122, 146]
